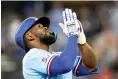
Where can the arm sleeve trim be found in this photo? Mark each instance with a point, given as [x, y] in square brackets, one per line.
[49, 64]
[77, 66]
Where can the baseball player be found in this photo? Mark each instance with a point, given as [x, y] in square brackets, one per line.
[34, 38]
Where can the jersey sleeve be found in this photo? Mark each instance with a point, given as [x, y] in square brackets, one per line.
[77, 64]
[80, 70]
[40, 63]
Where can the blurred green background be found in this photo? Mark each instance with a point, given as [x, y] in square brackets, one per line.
[99, 20]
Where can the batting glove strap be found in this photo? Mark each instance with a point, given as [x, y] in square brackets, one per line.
[69, 31]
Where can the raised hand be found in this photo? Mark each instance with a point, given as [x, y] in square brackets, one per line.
[71, 25]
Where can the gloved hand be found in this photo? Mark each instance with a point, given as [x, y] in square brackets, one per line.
[71, 25]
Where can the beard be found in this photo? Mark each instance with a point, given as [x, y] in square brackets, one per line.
[50, 39]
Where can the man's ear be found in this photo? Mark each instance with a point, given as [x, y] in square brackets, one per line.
[29, 36]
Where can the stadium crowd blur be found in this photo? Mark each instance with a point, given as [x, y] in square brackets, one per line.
[99, 20]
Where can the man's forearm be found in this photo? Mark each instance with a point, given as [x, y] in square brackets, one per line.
[64, 62]
[88, 57]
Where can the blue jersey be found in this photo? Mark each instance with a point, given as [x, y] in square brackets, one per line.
[36, 65]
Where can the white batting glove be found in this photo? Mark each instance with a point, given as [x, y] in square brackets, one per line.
[71, 24]
[81, 35]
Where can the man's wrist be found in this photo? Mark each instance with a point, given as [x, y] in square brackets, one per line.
[72, 34]
[81, 44]
[81, 38]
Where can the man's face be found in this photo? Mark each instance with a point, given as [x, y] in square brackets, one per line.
[43, 34]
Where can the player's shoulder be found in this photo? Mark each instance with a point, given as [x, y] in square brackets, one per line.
[35, 53]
